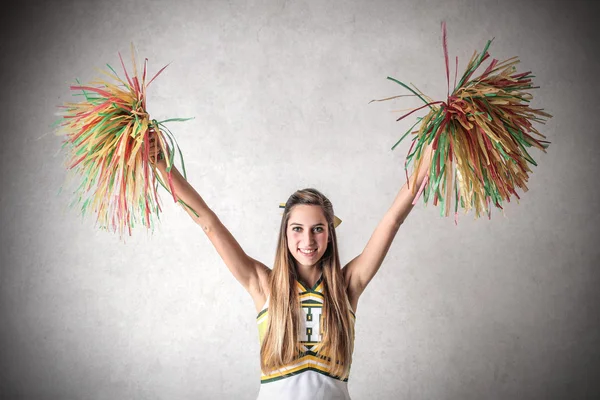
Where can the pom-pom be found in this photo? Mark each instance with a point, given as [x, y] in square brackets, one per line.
[479, 136]
[107, 140]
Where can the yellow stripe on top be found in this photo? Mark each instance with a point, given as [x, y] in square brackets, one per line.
[310, 333]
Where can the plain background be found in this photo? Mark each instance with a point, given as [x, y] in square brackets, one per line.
[505, 308]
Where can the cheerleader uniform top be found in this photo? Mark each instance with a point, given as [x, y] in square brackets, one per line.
[308, 376]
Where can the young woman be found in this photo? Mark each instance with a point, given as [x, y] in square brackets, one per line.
[306, 303]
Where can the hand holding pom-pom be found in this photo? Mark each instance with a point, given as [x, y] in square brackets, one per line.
[155, 150]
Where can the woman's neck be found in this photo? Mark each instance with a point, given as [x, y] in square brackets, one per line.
[309, 275]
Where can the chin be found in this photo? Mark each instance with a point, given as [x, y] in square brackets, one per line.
[306, 263]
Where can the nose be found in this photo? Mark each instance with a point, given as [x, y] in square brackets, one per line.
[309, 237]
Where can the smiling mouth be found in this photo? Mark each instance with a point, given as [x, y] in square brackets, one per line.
[307, 252]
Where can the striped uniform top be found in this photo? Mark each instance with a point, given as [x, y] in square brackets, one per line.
[308, 376]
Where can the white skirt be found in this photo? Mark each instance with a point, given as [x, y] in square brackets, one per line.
[307, 385]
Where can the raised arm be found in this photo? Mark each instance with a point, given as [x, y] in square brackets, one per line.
[252, 274]
[359, 272]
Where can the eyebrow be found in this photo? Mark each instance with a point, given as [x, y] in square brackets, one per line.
[296, 223]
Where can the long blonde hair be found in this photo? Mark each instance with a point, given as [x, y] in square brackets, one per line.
[281, 344]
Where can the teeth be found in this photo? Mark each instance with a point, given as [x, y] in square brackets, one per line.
[307, 251]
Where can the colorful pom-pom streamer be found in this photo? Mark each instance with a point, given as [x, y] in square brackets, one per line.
[479, 136]
[107, 138]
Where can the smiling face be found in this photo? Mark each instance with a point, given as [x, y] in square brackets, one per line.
[307, 233]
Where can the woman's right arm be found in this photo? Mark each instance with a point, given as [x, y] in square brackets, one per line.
[252, 274]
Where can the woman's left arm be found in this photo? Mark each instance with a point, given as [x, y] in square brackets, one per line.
[359, 272]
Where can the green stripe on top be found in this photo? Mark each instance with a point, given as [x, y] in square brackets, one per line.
[311, 302]
[261, 313]
[316, 294]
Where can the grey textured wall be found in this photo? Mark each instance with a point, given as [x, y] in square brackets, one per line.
[500, 309]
